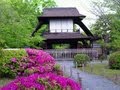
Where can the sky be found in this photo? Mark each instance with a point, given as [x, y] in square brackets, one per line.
[83, 7]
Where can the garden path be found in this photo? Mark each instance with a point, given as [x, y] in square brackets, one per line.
[89, 81]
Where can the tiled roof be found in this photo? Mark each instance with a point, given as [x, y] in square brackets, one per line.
[65, 36]
[61, 12]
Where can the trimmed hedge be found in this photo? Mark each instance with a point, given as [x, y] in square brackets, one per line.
[114, 60]
[5, 59]
[81, 59]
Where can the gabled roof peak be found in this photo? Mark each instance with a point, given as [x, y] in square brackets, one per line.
[61, 12]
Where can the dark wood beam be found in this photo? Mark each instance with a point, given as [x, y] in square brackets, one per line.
[85, 29]
[38, 26]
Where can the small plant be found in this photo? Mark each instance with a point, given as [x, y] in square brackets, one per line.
[81, 59]
[101, 58]
[57, 69]
[114, 60]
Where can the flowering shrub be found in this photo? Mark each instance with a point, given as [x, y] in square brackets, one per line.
[48, 81]
[38, 71]
[5, 71]
[37, 61]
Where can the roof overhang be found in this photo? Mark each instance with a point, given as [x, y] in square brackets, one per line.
[71, 35]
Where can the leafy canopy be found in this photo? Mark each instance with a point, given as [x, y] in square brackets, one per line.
[108, 25]
[18, 19]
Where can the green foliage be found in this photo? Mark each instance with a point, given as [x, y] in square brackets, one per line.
[114, 60]
[45, 82]
[108, 24]
[2, 42]
[115, 40]
[36, 42]
[1, 46]
[57, 67]
[61, 46]
[115, 33]
[81, 59]
[1, 53]
[5, 59]
[102, 57]
[18, 19]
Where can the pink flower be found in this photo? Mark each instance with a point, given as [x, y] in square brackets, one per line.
[38, 67]
[13, 59]
[38, 81]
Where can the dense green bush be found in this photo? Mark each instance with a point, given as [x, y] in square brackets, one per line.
[81, 59]
[5, 59]
[114, 60]
[102, 58]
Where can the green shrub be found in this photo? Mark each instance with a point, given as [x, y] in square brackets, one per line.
[101, 58]
[57, 67]
[5, 59]
[81, 59]
[114, 60]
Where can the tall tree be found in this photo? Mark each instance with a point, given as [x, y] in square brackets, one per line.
[18, 18]
[114, 5]
[102, 25]
[108, 23]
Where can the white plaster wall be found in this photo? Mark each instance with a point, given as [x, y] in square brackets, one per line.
[61, 25]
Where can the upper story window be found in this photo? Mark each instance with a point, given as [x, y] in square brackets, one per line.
[61, 25]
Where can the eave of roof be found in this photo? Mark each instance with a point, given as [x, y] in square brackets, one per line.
[74, 35]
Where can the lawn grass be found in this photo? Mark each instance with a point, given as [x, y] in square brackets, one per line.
[102, 69]
[4, 81]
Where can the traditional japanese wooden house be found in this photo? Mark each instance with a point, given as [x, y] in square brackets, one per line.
[61, 28]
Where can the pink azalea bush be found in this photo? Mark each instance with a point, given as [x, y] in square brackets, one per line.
[38, 71]
[37, 61]
[48, 81]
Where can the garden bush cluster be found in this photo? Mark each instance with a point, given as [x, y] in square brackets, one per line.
[38, 71]
[5, 59]
[114, 60]
[81, 59]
